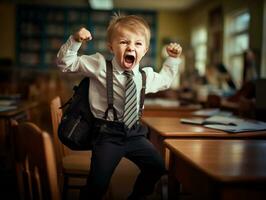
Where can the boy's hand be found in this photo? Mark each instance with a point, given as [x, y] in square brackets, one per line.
[174, 50]
[82, 35]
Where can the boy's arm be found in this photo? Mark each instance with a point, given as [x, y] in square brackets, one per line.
[69, 61]
[163, 79]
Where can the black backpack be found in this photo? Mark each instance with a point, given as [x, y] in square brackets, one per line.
[76, 127]
[77, 119]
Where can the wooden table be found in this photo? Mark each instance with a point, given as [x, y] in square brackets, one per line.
[167, 108]
[218, 169]
[162, 128]
[19, 113]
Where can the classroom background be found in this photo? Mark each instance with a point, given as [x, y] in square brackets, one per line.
[223, 60]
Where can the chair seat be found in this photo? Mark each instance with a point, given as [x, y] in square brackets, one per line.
[77, 164]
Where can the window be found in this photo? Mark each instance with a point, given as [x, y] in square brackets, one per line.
[199, 44]
[236, 42]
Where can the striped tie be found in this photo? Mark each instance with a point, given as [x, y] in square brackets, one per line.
[130, 111]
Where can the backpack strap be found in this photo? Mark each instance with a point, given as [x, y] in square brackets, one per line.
[142, 93]
[80, 91]
[109, 86]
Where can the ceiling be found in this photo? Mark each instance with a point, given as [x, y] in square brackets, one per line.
[180, 5]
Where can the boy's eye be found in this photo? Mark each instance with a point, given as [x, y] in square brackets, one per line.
[123, 42]
[139, 43]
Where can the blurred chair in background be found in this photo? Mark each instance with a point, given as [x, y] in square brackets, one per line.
[245, 96]
[35, 163]
[260, 103]
[220, 80]
[70, 164]
[249, 68]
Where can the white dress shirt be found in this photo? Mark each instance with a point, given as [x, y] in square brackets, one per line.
[94, 66]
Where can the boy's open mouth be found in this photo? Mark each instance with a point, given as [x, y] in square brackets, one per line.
[129, 60]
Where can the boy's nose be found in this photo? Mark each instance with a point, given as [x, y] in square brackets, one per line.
[130, 47]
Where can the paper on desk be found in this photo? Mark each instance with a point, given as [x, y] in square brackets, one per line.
[210, 112]
[240, 125]
[161, 102]
[217, 119]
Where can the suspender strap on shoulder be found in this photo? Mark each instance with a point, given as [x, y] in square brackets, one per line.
[109, 86]
[142, 94]
[110, 99]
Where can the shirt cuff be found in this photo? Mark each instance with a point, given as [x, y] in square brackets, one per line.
[171, 61]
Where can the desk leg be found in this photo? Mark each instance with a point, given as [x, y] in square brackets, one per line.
[157, 141]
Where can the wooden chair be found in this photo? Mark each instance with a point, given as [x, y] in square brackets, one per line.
[70, 164]
[35, 163]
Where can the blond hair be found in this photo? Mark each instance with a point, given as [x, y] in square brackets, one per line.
[131, 22]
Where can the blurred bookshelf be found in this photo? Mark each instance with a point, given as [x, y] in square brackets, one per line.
[42, 29]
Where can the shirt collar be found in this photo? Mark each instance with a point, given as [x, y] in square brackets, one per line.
[120, 70]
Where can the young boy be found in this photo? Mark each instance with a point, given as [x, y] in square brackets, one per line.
[128, 39]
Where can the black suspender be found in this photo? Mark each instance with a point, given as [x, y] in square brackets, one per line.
[110, 93]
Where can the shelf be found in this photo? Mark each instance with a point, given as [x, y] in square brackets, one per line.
[42, 29]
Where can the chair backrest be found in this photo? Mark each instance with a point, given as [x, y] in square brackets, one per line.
[35, 163]
[56, 115]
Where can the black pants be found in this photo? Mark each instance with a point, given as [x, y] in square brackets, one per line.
[112, 142]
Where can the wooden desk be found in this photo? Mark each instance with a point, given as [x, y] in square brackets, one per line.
[167, 108]
[218, 169]
[22, 107]
[21, 112]
[162, 128]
